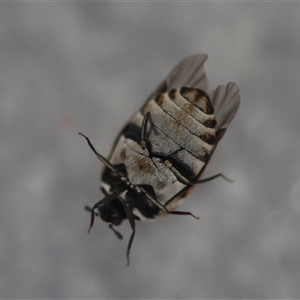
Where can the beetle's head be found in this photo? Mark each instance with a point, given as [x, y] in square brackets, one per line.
[113, 212]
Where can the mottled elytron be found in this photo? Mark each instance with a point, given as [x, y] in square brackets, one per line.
[164, 148]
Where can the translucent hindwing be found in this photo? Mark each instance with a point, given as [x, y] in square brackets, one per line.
[162, 151]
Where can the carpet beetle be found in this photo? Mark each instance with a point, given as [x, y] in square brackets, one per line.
[164, 148]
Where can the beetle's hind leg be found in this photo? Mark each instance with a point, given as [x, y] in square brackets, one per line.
[214, 177]
[219, 135]
[144, 131]
[163, 208]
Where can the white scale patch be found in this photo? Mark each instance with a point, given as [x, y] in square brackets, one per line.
[189, 122]
[175, 131]
[143, 170]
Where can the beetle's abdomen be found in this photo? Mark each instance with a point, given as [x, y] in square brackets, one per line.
[185, 124]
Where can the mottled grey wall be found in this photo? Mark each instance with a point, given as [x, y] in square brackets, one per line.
[69, 67]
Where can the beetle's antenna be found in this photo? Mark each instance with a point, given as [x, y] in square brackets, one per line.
[102, 202]
[101, 157]
[117, 233]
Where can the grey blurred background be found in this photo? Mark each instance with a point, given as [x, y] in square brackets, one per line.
[69, 67]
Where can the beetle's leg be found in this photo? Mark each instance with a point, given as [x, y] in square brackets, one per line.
[167, 160]
[105, 161]
[214, 177]
[163, 208]
[182, 213]
[102, 202]
[179, 177]
[219, 135]
[89, 209]
[130, 216]
[144, 136]
[146, 145]
[129, 246]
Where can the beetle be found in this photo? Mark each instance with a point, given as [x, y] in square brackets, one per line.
[164, 148]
